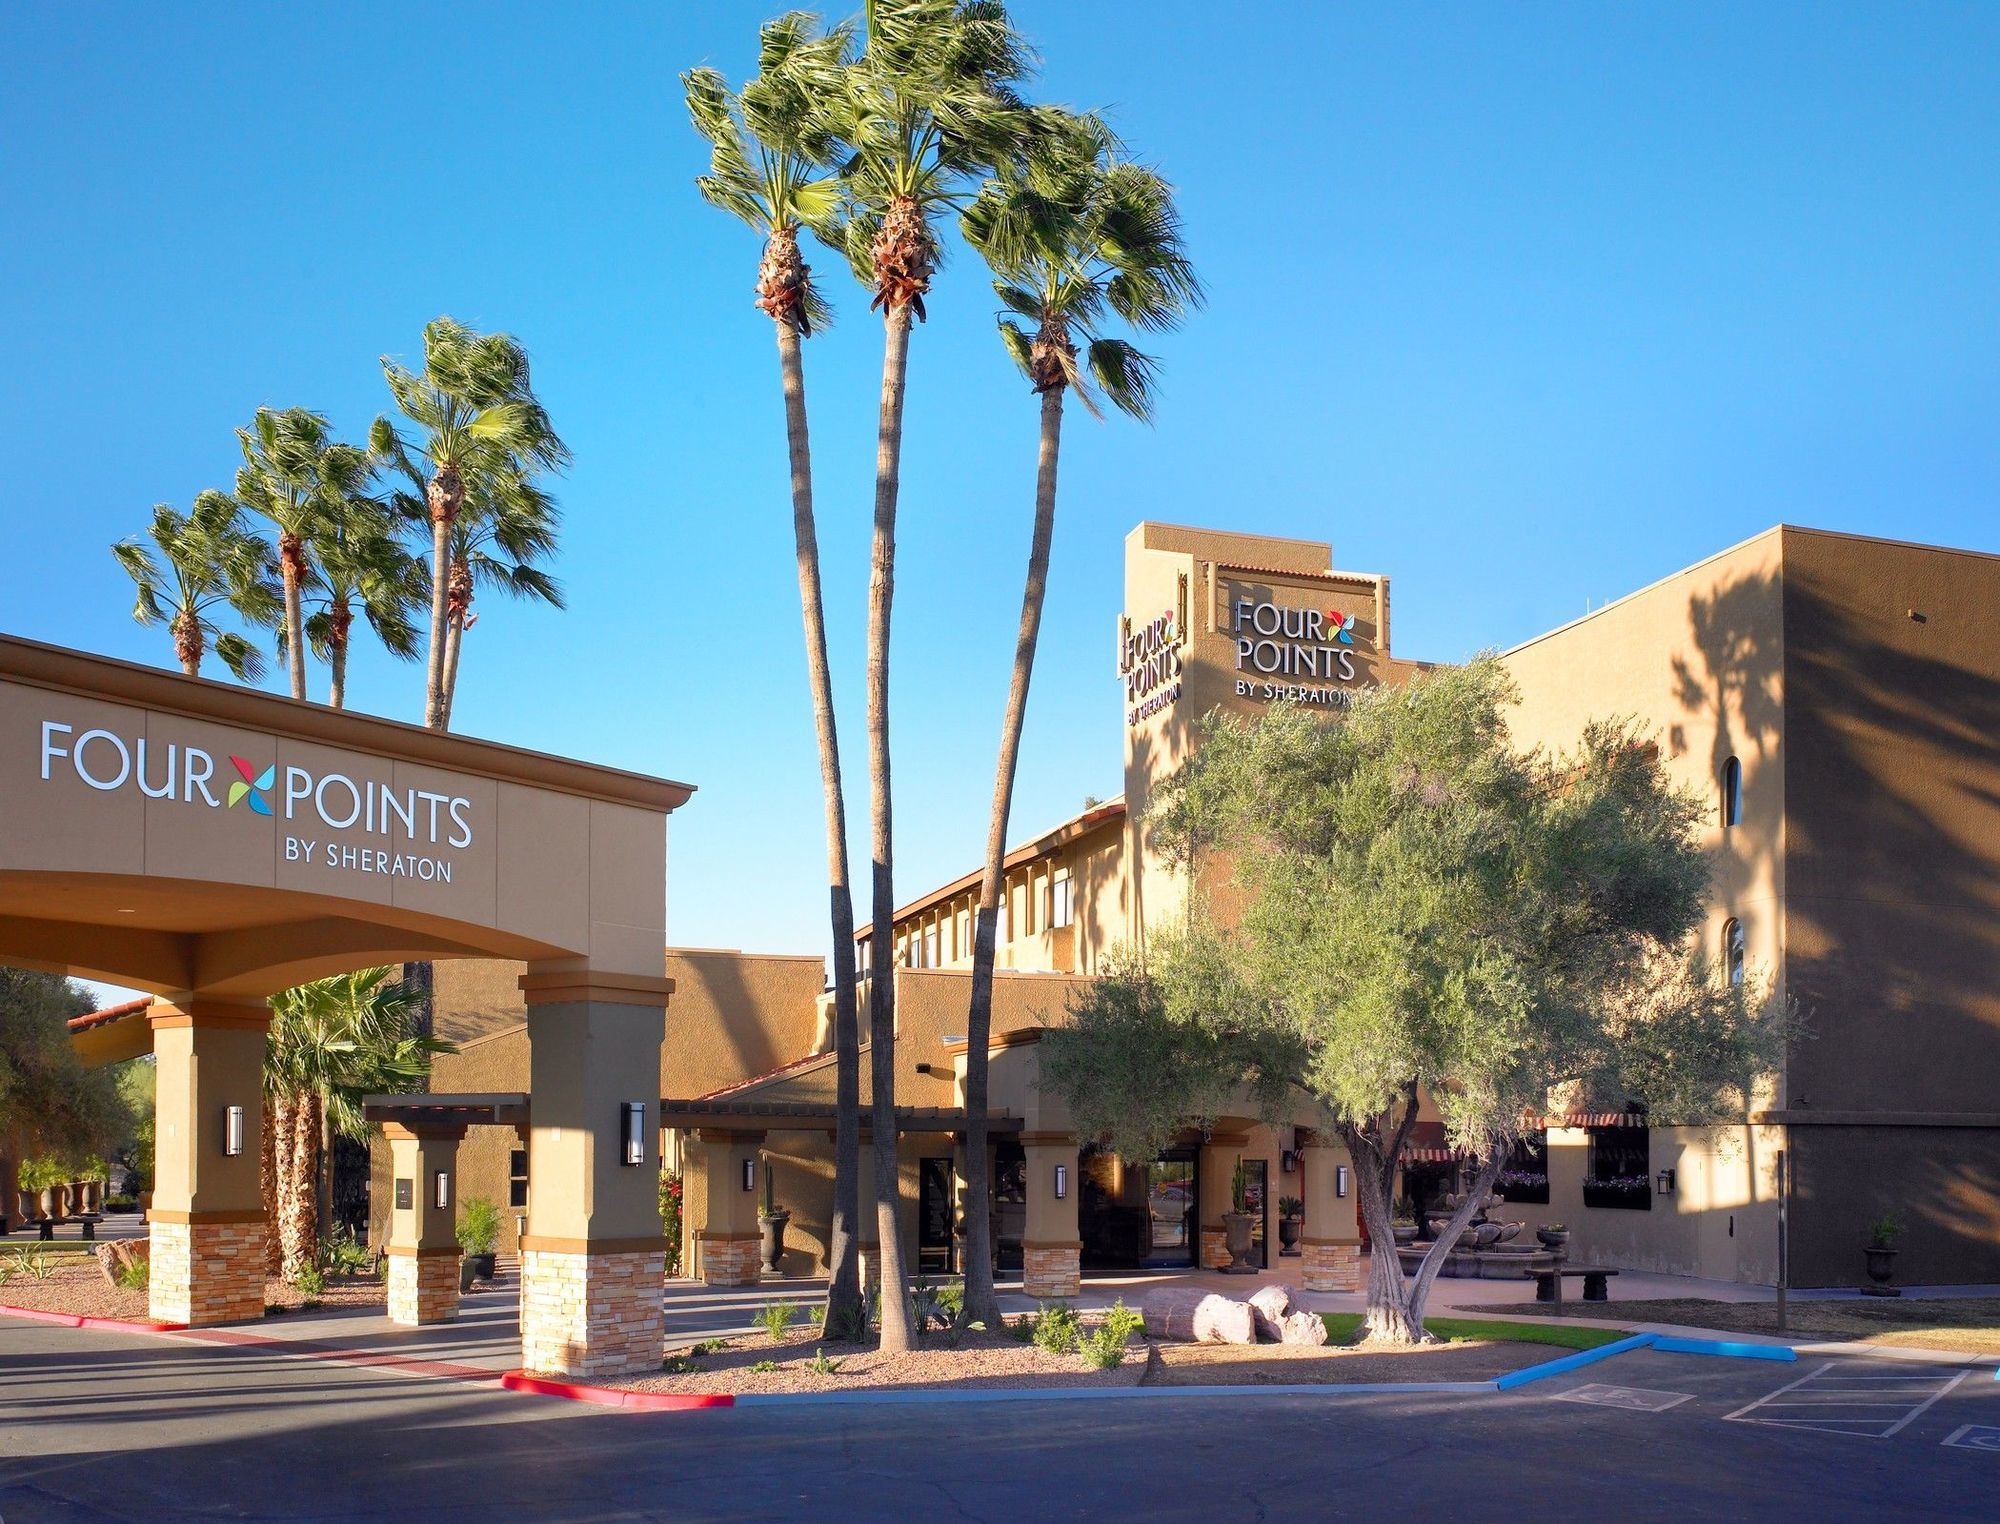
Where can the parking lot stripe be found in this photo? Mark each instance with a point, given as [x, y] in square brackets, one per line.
[1918, 1410]
[1838, 1399]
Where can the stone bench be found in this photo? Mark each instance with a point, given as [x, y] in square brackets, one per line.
[1548, 1283]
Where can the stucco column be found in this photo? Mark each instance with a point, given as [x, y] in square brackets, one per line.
[1051, 1250]
[207, 1223]
[1215, 1179]
[1329, 1241]
[593, 1264]
[730, 1235]
[422, 1249]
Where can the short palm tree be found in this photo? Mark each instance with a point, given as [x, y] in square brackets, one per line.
[296, 474]
[927, 106]
[769, 151]
[205, 560]
[331, 1042]
[1077, 235]
[474, 425]
[361, 567]
[506, 526]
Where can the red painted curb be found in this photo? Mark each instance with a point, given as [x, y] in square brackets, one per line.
[613, 1397]
[130, 1325]
[35, 1315]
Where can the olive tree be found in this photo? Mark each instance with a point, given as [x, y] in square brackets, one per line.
[1417, 908]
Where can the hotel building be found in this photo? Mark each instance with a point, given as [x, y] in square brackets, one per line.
[1836, 699]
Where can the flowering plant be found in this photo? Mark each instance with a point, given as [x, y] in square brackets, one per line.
[671, 1191]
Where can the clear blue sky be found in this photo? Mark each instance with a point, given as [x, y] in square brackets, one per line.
[1524, 305]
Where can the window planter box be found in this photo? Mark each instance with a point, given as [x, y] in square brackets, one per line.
[1623, 1195]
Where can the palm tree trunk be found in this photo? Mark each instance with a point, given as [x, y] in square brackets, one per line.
[843, 1302]
[277, 1137]
[336, 693]
[188, 642]
[981, 1304]
[882, 979]
[291, 556]
[296, 1187]
[440, 579]
[323, 1179]
[454, 636]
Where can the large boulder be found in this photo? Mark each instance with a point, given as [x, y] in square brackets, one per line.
[1269, 1304]
[1189, 1315]
[117, 1255]
[1303, 1328]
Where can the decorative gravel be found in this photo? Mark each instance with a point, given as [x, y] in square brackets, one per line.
[77, 1286]
[1337, 1364]
[979, 1360]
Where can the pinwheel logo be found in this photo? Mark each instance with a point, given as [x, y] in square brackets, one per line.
[253, 786]
[1340, 627]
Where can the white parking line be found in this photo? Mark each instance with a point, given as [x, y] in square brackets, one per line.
[1838, 1398]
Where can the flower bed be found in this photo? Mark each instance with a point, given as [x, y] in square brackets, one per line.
[75, 1285]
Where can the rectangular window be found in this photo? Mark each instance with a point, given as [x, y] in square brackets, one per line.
[1525, 1176]
[930, 948]
[1062, 901]
[1620, 1171]
[517, 1178]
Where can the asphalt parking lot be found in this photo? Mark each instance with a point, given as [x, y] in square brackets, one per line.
[98, 1427]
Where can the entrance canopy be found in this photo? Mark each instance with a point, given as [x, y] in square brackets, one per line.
[193, 837]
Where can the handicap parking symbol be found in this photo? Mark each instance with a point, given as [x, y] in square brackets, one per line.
[1975, 1436]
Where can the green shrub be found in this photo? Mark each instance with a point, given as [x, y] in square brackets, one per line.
[819, 1365]
[708, 1347]
[1056, 1328]
[478, 1225]
[121, 1203]
[765, 1368]
[31, 1262]
[343, 1254]
[672, 1194]
[678, 1365]
[939, 1306]
[1104, 1348]
[776, 1318]
[133, 1275]
[310, 1282]
[816, 1315]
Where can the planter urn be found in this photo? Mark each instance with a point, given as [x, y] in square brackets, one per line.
[51, 1202]
[1553, 1238]
[1405, 1232]
[1236, 1229]
[771, 1251]
[1881, 1267]
[1289, 1231]
[475, 1267]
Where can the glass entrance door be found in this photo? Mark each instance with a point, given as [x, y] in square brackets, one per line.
[935, 1251]
[1136, 1216]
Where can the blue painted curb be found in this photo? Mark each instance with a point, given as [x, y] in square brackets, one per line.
[1571, 1362]
[1730, 1348]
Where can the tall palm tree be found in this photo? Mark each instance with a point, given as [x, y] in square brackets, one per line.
[927, 106]
[476, 423]
[768, 165]
[331, 1042]
[361, 567]
[296, 474]
[1076, 234]
[207, 559]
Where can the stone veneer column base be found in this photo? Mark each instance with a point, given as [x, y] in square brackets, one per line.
[206, 1272]
[423, 1288]
[729, 1259]
[1052, 1270]
[592, 1314]
[1331, 1266]
[1215, 1248]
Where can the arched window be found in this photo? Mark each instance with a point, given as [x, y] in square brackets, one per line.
[1732, 950]
[1732, 793]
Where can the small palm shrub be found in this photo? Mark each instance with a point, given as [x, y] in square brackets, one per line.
[478, 1225]
[777, 1318]
[134, 1274]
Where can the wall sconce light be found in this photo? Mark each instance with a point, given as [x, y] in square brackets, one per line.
[633, 1117]
[1062, 1181]
[1288, 1161]
[232, 1130]
[750, 1175]
[1666, 1182]
[1340, 1181]
[440, 1189]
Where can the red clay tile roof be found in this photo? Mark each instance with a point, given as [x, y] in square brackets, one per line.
[110, 1014]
